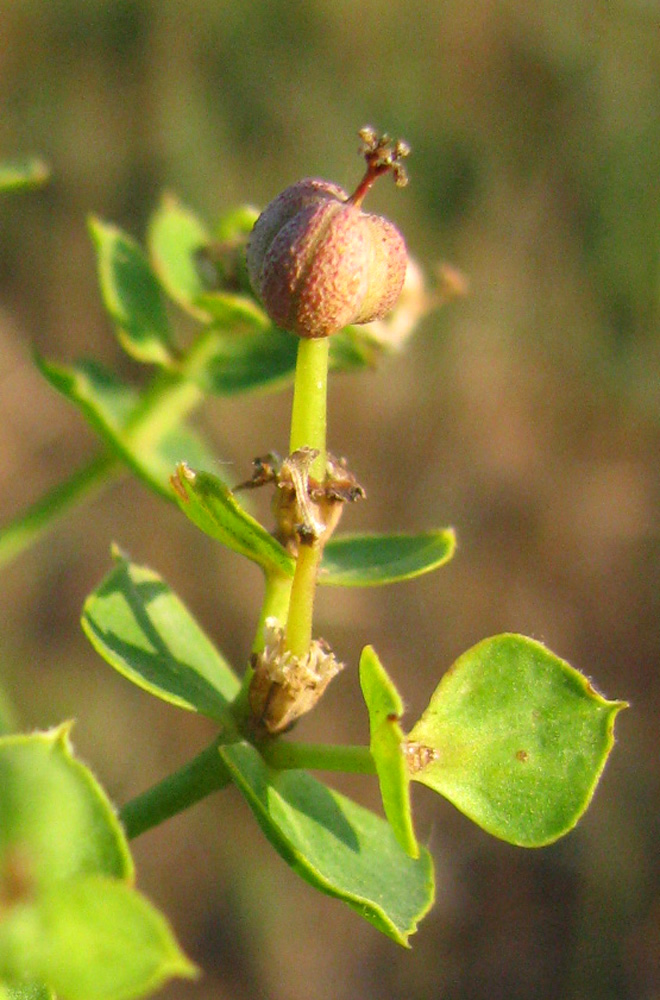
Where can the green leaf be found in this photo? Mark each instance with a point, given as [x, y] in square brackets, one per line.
[236, 224]
[337, 846]
[348, 351]
[371, 560]
[244, 352]
[132, 295]
[174, 238]
[516, 739]
[385, 709]
[212, 507]
[26, 991]
[231, 363]
[91, 938]
[237, 314]
[56, 821]
[142, 629]
[225, 256]
[17, 174]
[106, 402]
[110, 406]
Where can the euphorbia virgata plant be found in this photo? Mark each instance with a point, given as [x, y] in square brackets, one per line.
[513, 736]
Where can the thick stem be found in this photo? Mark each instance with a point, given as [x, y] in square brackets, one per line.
[204, 774]
[207, 773]
[164, 404]
[275, 605]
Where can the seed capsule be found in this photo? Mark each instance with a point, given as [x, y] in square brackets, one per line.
[318, 262]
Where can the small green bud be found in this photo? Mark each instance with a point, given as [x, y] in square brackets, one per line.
[318, 262]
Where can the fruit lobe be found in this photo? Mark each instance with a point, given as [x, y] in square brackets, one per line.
[319, 263]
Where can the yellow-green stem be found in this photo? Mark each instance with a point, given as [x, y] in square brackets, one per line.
[301, 608]
[308, 428]
[308, 416]
[275, 605]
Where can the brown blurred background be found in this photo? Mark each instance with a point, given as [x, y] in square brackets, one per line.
[527, 415]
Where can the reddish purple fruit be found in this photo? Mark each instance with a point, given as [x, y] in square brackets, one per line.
[318, 262]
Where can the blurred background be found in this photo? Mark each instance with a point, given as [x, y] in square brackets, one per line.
[526, 415]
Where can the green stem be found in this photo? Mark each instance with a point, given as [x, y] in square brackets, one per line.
[310, 392]
[318, 757]
[308, 428]
[301, 607]
[204, 774]
[275, 605]
[164, 403]
[207, 773]
[28, 527]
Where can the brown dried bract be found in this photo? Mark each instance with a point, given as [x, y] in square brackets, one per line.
[306, 510]
[284, 686]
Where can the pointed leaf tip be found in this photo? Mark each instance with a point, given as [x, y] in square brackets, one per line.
[517, 739]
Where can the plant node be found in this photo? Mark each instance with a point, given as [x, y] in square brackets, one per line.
[285, 686]
[306, 511]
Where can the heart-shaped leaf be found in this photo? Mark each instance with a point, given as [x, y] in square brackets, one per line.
[516, 739]
[336, 845]
[372, 560]
[386, 744]
[142, 629]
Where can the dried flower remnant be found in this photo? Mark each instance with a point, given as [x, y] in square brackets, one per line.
[284, 686]
[306, 510]
[418, 756]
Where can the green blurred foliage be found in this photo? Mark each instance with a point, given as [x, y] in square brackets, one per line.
[526, 415]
